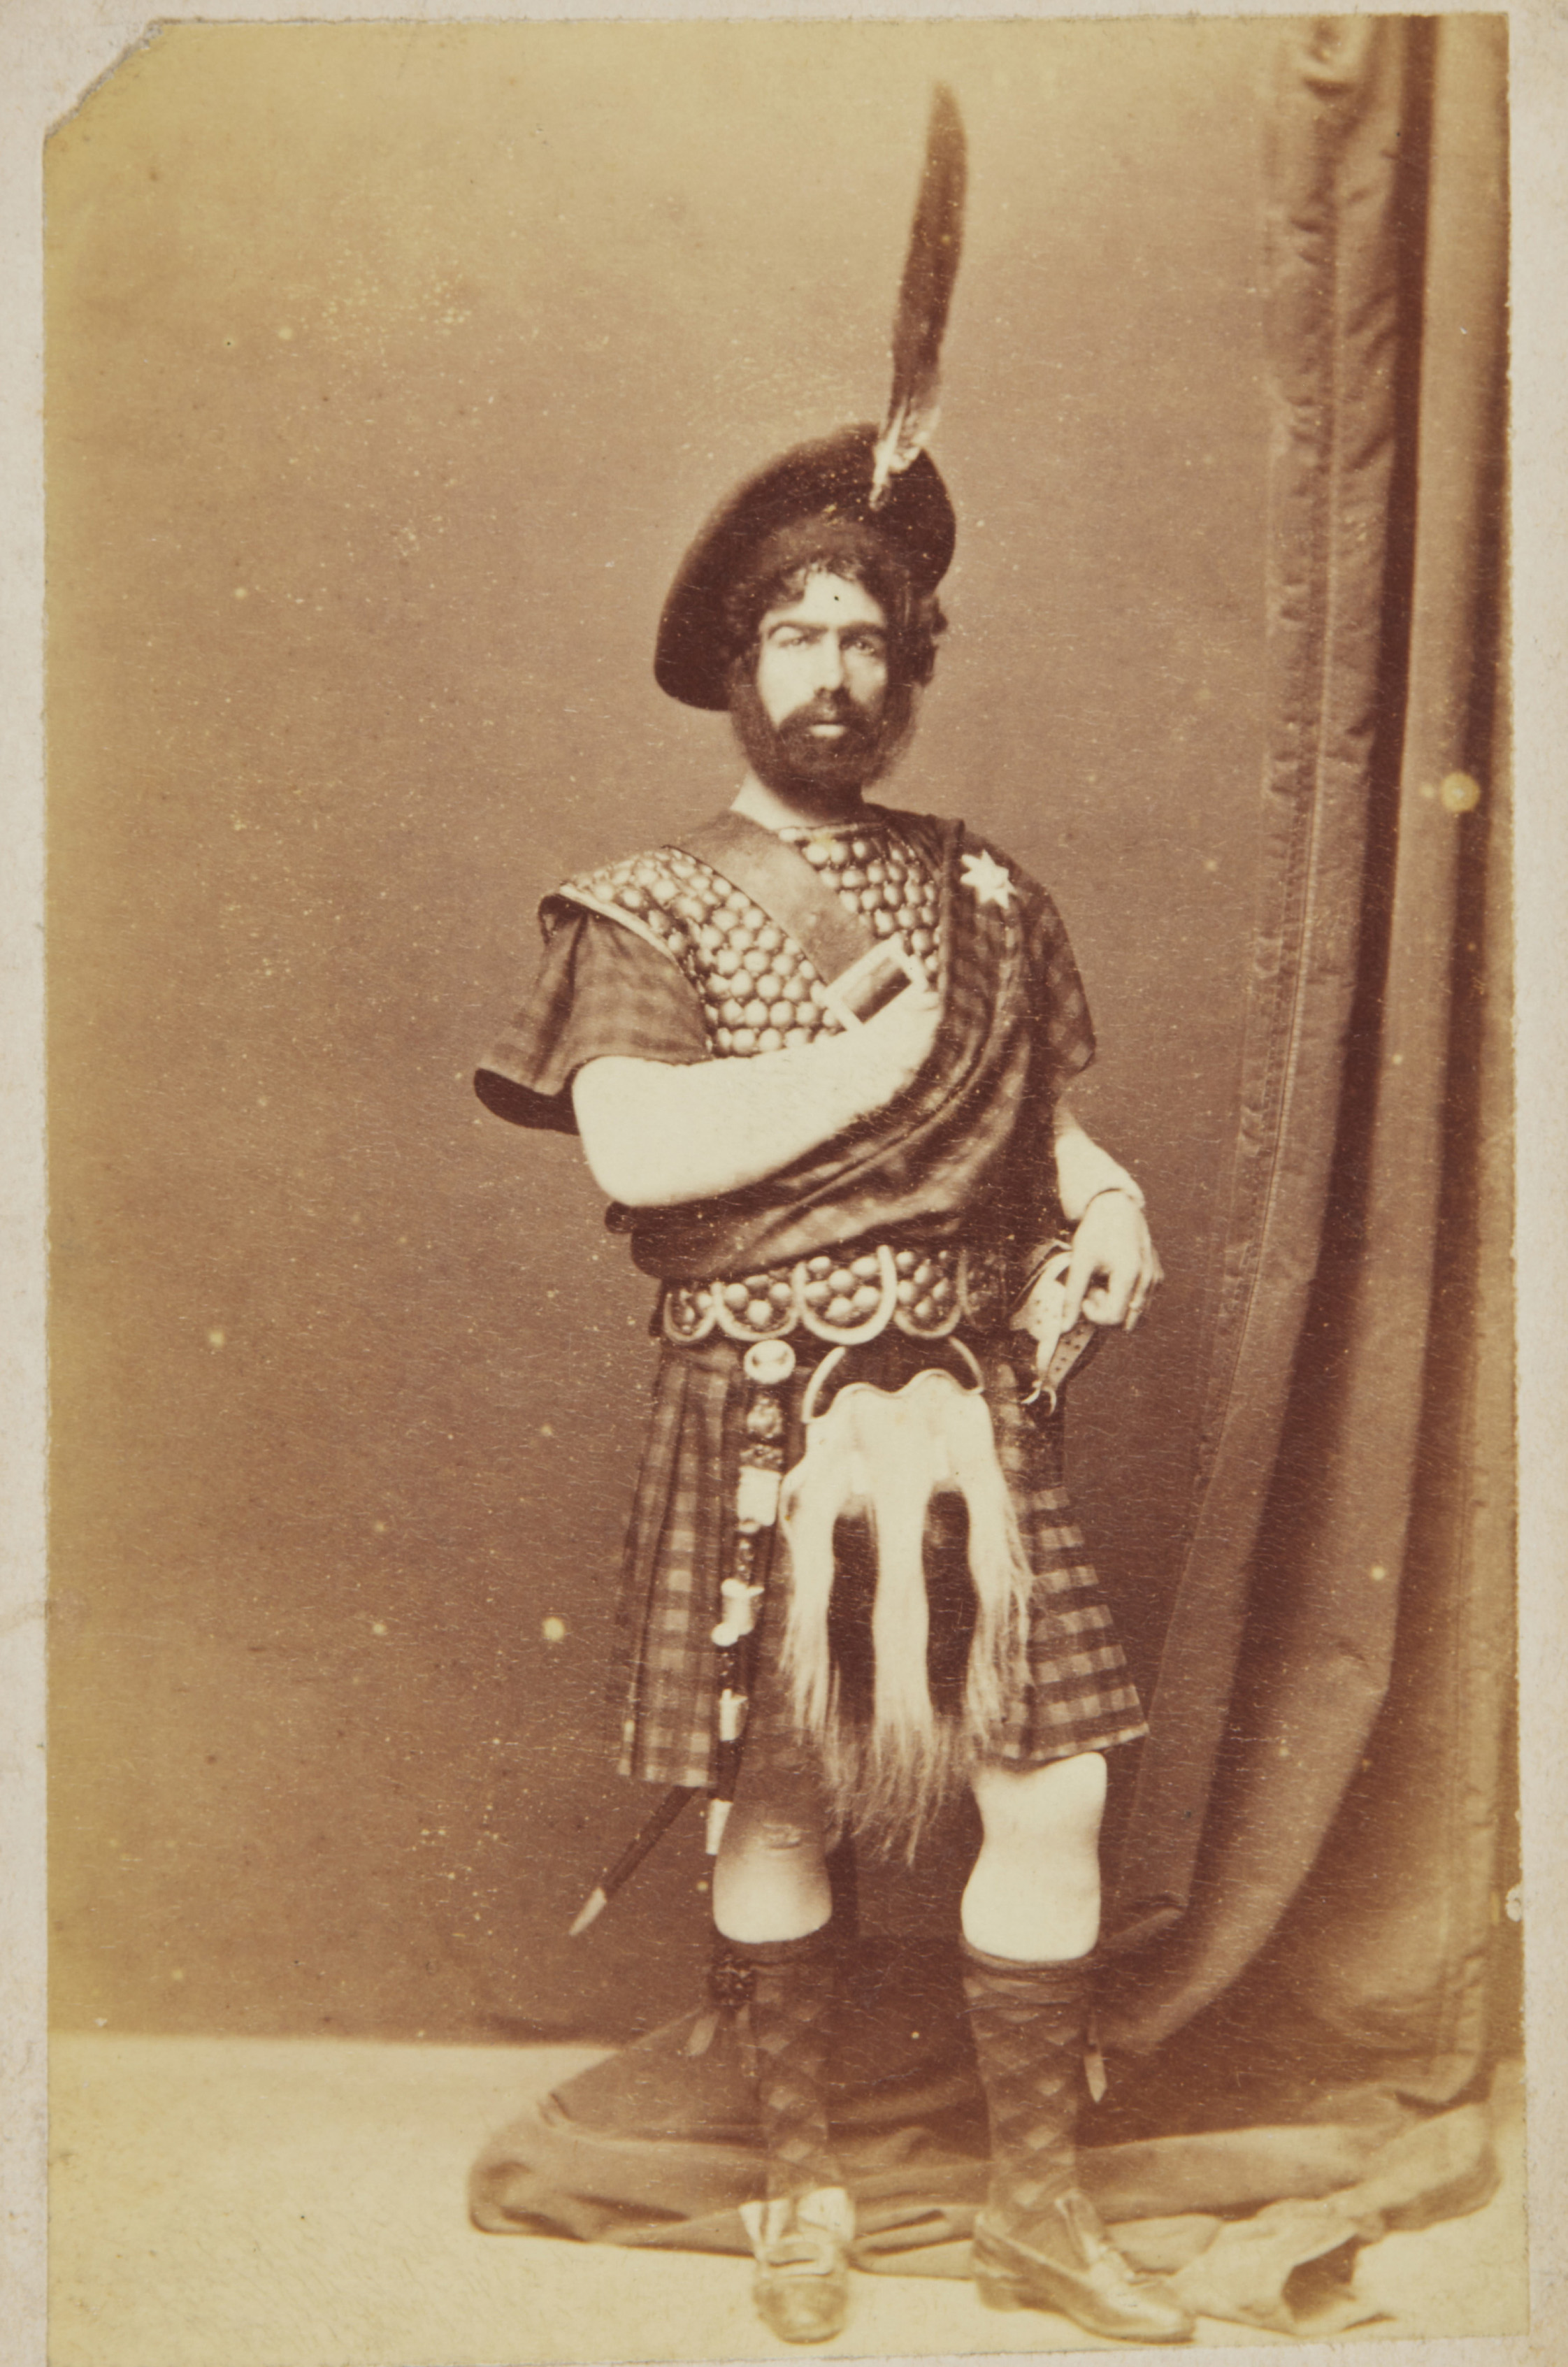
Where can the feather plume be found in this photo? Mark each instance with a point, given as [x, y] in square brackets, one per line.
[929, 270]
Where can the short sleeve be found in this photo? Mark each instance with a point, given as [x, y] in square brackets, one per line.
[1065, 1033]
[601, 992]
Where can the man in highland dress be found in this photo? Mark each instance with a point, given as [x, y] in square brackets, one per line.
[816, 1053]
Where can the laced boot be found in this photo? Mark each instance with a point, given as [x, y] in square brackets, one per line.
[801, 2234]
[1039, 2242]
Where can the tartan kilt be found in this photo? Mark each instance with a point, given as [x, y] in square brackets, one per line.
[1076, 1694]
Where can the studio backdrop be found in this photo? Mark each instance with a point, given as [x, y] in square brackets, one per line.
[389, 371]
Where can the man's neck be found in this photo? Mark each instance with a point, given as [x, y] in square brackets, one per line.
[777, 809]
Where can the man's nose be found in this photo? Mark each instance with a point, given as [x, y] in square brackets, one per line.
[829, 655]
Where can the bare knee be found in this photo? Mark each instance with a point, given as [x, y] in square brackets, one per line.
[763, 1832]
[1035, 1891]
[1061, 1802]
[770, 1876]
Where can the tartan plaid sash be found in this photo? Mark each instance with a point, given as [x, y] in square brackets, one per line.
[951, 1141]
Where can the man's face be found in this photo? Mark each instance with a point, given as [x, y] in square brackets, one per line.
[824, 657]
[821, 689]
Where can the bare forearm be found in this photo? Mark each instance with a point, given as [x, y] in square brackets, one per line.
[1083, 1169]
[656, 1135]
[1114, 1265]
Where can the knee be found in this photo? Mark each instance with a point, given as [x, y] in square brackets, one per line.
[768, 1833]
[779, 1836]
[1061, 1803]
[770, 1878]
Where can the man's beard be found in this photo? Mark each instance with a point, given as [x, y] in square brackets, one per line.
[792, 761]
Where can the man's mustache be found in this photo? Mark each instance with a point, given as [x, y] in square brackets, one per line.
[790, 755]
[829, 706]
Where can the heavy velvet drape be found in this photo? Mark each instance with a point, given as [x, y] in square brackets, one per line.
[1318, 1808]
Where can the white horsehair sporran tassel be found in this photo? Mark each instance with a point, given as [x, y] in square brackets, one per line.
[883, 1458]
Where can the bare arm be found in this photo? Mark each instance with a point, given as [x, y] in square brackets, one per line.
[1114, 1265]
[655, 1134]
[1083, 1169]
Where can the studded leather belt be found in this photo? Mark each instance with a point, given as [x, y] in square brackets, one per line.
[846, 1295]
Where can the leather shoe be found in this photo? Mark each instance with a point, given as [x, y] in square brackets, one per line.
[801, 2285]
[1071, 2265]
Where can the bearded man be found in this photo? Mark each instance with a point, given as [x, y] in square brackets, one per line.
[816, 1054]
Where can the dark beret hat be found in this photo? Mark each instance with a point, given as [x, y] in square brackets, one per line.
[830, 478]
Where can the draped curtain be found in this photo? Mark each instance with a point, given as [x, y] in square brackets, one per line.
[1311, 1860]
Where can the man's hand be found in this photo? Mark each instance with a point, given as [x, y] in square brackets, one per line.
[1114, 1266]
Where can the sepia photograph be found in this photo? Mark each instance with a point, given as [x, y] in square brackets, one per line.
[783, 1481]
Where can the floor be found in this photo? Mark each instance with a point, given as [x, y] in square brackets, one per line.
[252, 2203]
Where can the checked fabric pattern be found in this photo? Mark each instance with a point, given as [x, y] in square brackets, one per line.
[612, 984]
[1029, 2023]
[794, 1990]
[976, 1130]
[1075, 1693]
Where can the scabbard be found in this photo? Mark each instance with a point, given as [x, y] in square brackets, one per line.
[631, 1857]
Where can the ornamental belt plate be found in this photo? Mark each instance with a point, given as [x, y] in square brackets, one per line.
[846, 1295]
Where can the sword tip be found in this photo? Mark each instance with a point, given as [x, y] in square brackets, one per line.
[593, 1906]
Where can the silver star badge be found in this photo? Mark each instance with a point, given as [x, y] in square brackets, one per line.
[990, 882]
